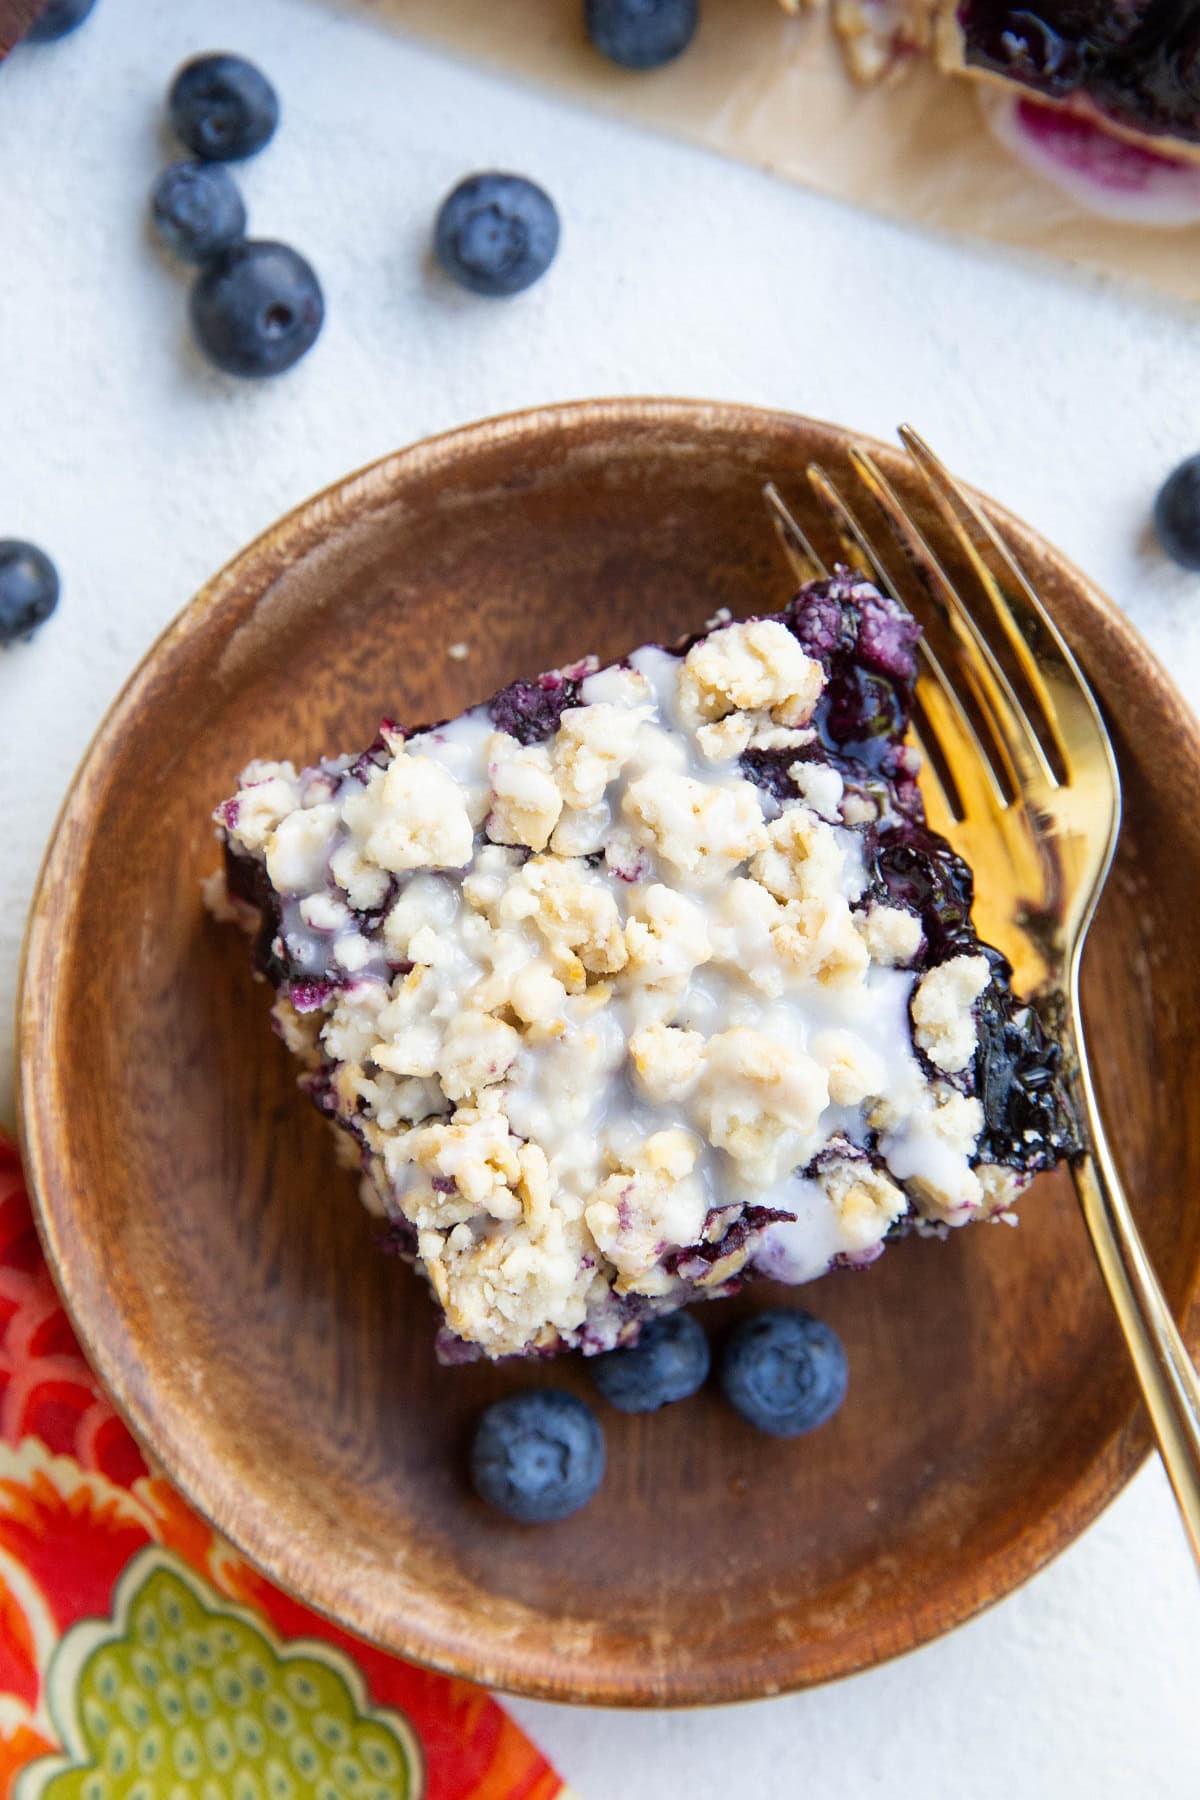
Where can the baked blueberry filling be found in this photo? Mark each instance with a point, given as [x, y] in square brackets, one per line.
[1136, 61]
[531, 711]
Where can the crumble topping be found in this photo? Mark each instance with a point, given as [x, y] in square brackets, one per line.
[411, 817]
[612, 1012]
[943, 1010]
[752, 668]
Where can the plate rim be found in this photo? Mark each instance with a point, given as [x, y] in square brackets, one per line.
[1129, 1442]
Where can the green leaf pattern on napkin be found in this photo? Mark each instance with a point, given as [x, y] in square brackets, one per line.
[181, 1696]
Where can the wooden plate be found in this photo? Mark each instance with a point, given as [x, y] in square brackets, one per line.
[225, 1282]
[16, 16]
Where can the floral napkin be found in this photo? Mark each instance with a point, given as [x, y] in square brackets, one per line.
[142, 1659]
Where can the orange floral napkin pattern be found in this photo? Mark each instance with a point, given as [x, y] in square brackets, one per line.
[141, 1658]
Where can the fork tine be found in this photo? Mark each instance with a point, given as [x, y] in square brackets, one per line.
[934, 789]
[949, 718]
[995, 566]
[1015, 734]
[946, 719]
[859, 551]
[805, 562]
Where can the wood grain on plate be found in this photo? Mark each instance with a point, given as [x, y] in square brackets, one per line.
[16, 16]
[229, 1288]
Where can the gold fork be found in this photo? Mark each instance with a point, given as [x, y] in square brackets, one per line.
[1027, 786]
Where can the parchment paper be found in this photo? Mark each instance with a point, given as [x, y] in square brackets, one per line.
[771, 89]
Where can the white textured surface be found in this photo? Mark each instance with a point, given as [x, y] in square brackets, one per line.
[141, 472]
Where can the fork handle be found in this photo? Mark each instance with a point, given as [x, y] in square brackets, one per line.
[1168, 1379]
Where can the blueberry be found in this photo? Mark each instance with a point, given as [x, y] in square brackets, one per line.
[531, 711]
[913, 867]
[28, 589]
[197, 209]
[669, 1361]
[785, 1372]
[57, 18]
[223, 107]
[538, 1456]
[641, 34]
[1177, 514]
[496, 234]
[256, 308]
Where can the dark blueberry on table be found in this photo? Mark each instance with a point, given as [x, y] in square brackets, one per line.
[57, 18]
[223, 107]
[256, 308]
[496, 234]
[641, 34]
[28, 589]
[1177, 514]
[785, 1372]
[669, 1361]
[197, 209]
[538, 1456]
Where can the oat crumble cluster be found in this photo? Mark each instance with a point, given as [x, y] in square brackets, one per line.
[639, 980]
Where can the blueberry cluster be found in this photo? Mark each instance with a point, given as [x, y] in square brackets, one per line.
[636, 34]
[256, 305]
[497, 234]
[539, 1456]
[29, 584]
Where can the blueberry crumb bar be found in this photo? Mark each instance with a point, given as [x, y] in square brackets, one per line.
[637, 981]
[1126, 66]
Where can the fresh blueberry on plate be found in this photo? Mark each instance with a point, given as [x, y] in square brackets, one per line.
[28, 589]
[538, 1456]
[56, 19]
[641, 34]
[1177, 514]
[256, 308]
[785, 1372]
[197, 209]
[496, 234]
[223, 108]
[669, 1361]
